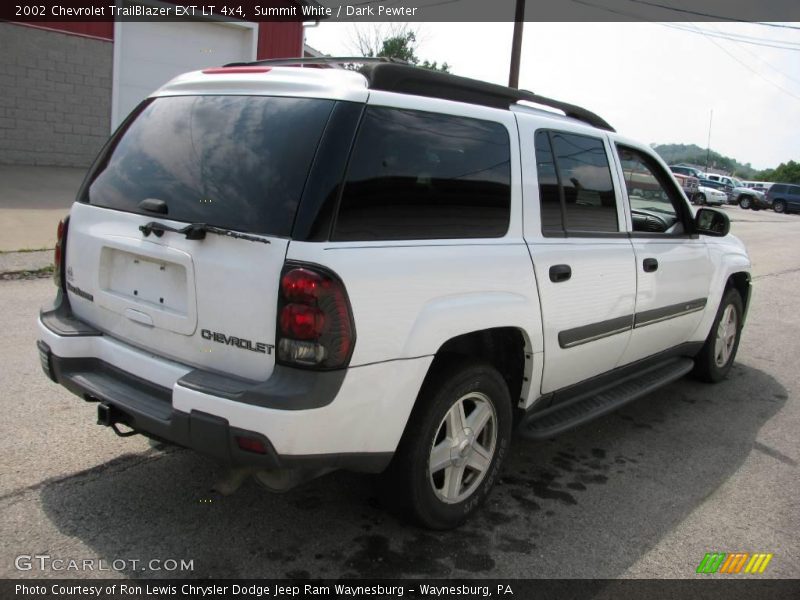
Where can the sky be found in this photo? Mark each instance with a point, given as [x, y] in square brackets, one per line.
[654, 82]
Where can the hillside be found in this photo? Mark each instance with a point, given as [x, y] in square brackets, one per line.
[694, 154]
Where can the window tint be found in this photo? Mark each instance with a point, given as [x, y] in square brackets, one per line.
[549, 194]
[574, 181]
[418, 175]
[238, 162]
[779, 189]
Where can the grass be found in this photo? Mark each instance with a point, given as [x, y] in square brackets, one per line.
[26, 250]
[28, 274]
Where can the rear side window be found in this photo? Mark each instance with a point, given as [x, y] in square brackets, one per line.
[418, 175]
[238, 162]
[779, 189]
[575, 188]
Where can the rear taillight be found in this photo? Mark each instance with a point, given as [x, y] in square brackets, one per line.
[59, 253]
[315, 323]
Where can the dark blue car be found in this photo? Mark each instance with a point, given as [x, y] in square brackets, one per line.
[784, 197]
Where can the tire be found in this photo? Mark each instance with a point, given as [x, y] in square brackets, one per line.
[779, 206]
[716, 356]
[466, 462]
[700, 199]
[744, 202]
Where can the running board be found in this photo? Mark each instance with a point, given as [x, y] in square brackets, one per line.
[557, 419]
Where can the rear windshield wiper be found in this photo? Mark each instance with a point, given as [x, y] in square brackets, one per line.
[197, 231]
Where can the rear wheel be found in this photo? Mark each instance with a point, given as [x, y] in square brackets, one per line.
[744, 202]
[453, 448]
[716, 357]
[779, 206]
[700, 199]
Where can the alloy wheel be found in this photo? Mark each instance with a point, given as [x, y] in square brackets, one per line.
[463, 448]
[726, 336]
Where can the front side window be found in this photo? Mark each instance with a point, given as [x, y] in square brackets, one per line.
[575, 188]
[653, 200]
[419, 175]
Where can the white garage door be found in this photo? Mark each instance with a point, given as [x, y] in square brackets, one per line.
[147, 55]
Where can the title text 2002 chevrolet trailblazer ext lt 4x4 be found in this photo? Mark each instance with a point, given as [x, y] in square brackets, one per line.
[297, 269]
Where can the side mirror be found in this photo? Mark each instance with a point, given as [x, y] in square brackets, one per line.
[708, 221]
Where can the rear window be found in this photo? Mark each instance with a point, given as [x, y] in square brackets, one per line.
[419, 175]
[238, 162]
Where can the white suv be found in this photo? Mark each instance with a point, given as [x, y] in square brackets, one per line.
[296, 269]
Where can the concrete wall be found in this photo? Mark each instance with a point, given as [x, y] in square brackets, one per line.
[55, 97]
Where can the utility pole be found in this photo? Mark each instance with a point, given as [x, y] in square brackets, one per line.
[708, 145]
[516, 44]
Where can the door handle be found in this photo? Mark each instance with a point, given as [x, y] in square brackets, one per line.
[559, 273]
[649, 265]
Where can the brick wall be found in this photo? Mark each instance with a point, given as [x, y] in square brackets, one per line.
[55, 97]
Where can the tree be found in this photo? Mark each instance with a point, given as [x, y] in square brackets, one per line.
[783, 173]
[398, 42]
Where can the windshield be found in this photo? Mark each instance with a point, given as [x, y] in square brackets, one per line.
[236, 162]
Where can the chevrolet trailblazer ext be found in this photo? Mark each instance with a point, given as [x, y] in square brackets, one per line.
[296, 269]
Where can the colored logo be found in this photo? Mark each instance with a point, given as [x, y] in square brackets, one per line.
[735, 562]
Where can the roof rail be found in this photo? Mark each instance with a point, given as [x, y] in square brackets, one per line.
[319, 60]
[393, 75]
[409, 79]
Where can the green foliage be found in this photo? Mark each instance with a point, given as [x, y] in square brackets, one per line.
[695, 155]
[402, 45]
[783, 173]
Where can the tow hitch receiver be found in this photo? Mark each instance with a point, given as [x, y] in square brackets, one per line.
[109, 416]
[104, 414]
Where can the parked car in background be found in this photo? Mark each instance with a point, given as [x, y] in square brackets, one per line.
[761, 186]
[747, 197]
[689, 184]
[684, 170]
[709, 195]
[727, 183]
[784, 197]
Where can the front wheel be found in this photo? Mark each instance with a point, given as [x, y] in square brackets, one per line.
[453, 447]
[745, 202]
[779, 206]
[715, 358]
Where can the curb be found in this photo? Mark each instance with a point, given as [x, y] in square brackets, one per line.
[16, 265]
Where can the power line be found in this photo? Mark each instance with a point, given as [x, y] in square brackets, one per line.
[712, 16]
[763, 42]
[770, 65]
[751, 69]
[795, 47]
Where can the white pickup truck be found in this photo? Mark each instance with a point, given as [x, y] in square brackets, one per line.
[295, 270]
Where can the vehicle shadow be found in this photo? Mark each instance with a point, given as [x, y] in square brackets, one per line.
[587, 504]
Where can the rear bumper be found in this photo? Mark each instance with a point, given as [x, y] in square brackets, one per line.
[357, 428]
[147, 408]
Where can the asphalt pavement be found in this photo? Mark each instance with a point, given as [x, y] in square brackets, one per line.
[643, 492]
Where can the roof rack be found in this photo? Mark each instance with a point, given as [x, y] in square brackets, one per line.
[319, 60]
[436, 84]
[393, 75]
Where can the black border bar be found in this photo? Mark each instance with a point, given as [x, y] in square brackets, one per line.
[700, 586]
[402, 11]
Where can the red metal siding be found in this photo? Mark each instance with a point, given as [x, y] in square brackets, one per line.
[280, 40]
